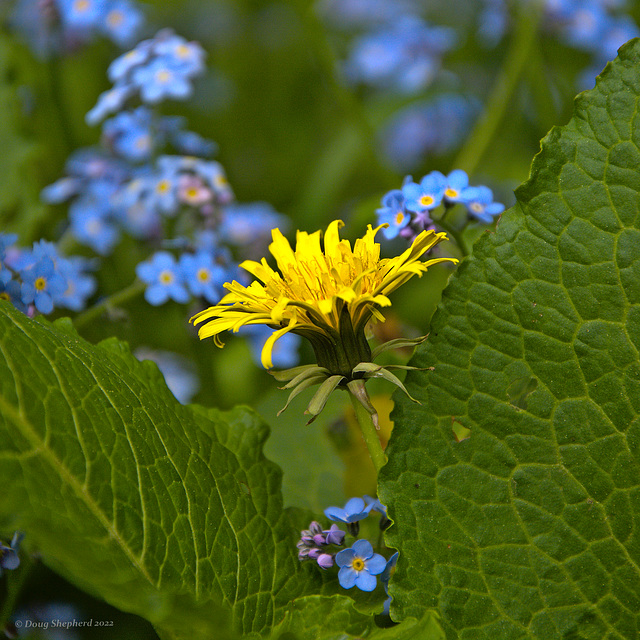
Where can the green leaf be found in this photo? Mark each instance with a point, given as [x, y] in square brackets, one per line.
[335, 617]
[427, 628]
[331, 618]
[168, 511]
[530, 528]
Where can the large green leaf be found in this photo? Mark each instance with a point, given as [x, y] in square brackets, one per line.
[128, 493]
[530, 527]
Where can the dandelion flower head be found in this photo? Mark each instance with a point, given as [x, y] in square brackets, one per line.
[325, 294]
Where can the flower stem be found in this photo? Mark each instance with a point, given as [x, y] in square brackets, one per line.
[453, 232]
[367, 426]
[114, 300]
[523, 42]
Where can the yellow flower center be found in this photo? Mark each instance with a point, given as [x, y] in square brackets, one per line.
[476, 206]
[426, 201]
[40, 284]
[163, 186]
[142, 142]
[357, 564]
[115, 18]
[164, 76]
[182, 51]
[451, 193]
[399, 217]
[166, 277]
[81, 5]
[203, 275]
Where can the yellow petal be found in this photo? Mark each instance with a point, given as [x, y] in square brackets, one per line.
[260, 270]
[332, 238]
[281, 250]
[267, 351]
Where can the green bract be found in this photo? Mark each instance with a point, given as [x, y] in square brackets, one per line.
[304, 376]
[529, 527]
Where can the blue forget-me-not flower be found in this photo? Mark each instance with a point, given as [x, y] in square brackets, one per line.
[393, 213]
[480, 204]
[9, 555]
[359, 566]
[164, 278]
[354, 510]
[427, 194]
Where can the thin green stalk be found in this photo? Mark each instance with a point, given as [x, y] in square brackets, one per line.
[454, 233]
[369, 430]
[114, 300]
[523, 41]
[547, 108]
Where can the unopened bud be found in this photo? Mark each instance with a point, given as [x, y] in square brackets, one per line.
[325, 560]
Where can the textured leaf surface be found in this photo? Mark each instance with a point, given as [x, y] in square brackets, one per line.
[530, 527]
[168, 511]
[324, 618]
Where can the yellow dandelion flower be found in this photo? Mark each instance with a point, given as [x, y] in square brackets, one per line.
[327, 296]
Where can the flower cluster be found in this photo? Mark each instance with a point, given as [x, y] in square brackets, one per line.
[408, 211]
[40, 279]
[593, 27]
[315, 541]
[598, 27]
[9, 558]
[358, 565]
[394, 49]
[131, 184]
[156, 69]
[405, 55]
[60, 26]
